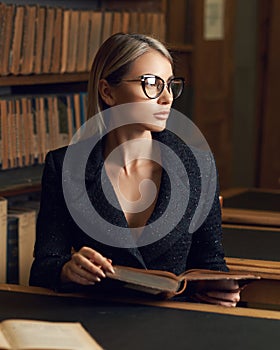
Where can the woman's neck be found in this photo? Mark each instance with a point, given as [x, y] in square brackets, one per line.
[129, 146]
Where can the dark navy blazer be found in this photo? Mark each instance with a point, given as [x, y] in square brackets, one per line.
[178, 250]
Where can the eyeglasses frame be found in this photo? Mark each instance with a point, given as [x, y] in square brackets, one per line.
[164, 84]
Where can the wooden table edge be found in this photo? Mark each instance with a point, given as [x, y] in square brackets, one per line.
[236, 311]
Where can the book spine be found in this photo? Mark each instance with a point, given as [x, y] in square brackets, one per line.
[57, 41]
[39, 38]
[12, 250]
[7, 36]
[48, 42]
[16, 51]
[3, 239]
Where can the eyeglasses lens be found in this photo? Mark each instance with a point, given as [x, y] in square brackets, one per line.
[155, 85]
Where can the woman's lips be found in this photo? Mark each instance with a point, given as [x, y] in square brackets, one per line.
[163, 115]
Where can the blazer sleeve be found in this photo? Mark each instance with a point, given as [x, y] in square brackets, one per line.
[206, 250]
[53, 242]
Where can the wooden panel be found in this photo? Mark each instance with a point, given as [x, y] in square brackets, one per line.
[269, 120]
[213, 87]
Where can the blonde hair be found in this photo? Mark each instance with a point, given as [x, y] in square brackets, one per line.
[112, 62]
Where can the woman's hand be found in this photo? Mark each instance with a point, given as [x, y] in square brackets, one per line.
[86, 267]
[223, 292]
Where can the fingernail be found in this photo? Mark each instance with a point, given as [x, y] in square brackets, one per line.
[102, 274]
[98, 279]
[111, 270]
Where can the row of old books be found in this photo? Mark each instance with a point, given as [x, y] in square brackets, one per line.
[32, 126]
[17, 236]
[40, 40]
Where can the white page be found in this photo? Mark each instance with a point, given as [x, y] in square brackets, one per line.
[26, 334]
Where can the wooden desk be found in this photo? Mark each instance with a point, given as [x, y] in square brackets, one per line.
[148, 325]
[255, 249]
[251, 206]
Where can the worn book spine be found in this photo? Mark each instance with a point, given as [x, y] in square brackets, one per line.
[62, 117]
[73, 41]
[6, 39]
[39, 39]
[70, 118]
[28, 47]
[3, 239]
[95, 32]
[12, 134]
[83, 41]
[57, 41]
[48, 41]
[26, 240]
[107, 25]
[12, 250]
[65, 39]
[4, 134]
[15, 63]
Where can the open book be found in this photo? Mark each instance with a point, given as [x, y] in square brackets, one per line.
[167, 283]
[17, 334]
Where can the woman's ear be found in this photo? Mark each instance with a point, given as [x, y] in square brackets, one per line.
[105, 91]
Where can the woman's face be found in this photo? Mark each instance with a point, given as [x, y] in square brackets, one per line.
[152, 113]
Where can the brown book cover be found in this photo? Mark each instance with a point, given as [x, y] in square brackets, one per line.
[73, 41]
[3, 238]
[142, 26]
[57, 41]
[149, 23]
[41, 129]
[12, 134]
[107, 22]
[134, 22]
[26, 132]
[77, 109]
[39, 38]
[19, 133]
[26, 240]
[162, 27]
[32, 125]
[95, 32]
[28, 47]
[125, 21]
[70, 118]
[83, 41]
[166, 283]
[2, 28]
[65, 39]
[48, 41]
[17, 41]
[117, 22]
[4, 134]
[6, 39]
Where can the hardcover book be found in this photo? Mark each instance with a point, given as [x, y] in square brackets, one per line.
[168, 284]
[17, 334]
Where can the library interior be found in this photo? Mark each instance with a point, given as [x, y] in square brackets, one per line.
[225, 60]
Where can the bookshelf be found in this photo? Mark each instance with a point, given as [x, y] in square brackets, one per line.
[42, 78]
[206, 99]
[54, 95]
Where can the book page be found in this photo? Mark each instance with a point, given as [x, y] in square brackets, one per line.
[25, 334]
[3, 341]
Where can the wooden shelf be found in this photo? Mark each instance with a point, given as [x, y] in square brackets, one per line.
[188, 48]
[12, 80]
[20, 180]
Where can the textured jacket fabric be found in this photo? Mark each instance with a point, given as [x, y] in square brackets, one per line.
[180, 249]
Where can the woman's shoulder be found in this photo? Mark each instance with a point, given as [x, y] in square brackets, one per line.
[83, 151]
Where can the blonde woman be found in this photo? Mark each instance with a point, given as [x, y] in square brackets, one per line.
[132, 83]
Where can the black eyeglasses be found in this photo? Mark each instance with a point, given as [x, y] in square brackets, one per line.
[153, 86]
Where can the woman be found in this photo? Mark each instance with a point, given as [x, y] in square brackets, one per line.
[135, 71]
